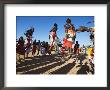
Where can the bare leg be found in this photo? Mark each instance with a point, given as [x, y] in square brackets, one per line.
[33, 53]
[24, 56]
[27, 55]
[38, 52]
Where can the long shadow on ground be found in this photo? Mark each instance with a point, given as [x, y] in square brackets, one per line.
[65, 69]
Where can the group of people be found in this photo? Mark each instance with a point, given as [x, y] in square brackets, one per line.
[69, 44]
[68, 40]
[41, 47]
[24, 45]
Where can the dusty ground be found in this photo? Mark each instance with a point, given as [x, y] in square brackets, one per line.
[53, 64]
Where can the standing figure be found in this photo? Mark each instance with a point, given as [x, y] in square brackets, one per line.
[53, 36]
[62, 51]
[20, 48]
[91, 54]
[92, 37]
[38, 45]
[28, 43]
[47, 48]
[34, 47]
[84, 49]
[70, 34]
[58, 45]
[42, 49]
[76, 50]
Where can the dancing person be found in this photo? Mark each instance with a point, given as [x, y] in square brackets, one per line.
[76, 50]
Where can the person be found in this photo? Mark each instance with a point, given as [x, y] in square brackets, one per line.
[47, 48]
[62, 51]
[68, 27]
[20, 48]
[28, 42]
[38, 45]
[84, 49]
[53, 35]
[20, 42]
[90, 54]
[58, 44]
[92, 37]
[34, 48]
[76, 50]
[42, 49]
[70, 35]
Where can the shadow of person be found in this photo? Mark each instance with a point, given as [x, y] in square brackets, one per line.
[84, 69]
[81, 57]
[92, 66]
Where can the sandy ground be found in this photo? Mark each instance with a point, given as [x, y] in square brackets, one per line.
[53, 64]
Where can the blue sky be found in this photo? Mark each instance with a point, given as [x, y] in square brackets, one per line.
[43, 24]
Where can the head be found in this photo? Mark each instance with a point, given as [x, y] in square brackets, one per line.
[46, 43]
[68, 20]
[21, 38]
[76, 42]
[29, 32]
[34, 42]
[43, 42]
[55, 25]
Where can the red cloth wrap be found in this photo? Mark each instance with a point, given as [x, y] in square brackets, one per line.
[67, 43]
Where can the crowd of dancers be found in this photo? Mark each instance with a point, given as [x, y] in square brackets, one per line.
[67, 46]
